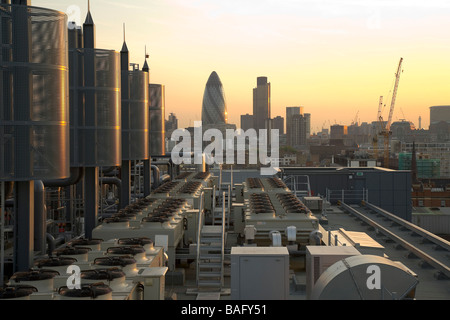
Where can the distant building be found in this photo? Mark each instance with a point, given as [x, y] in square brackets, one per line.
[439, 113]
[300, 130]
[261, 103]
[214, 109]
[172, 122]
[171, 125]
[247, 122]
[426, 168]
[338, 132]
[290, 113]
[278, 124]
[438, 151]
[403, 130]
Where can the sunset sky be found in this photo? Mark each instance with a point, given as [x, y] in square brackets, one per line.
[335, 58]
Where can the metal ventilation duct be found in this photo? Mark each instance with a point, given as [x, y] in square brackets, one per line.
[355, 278]
[95, 129]
[34, 106]
[157, 120]
[135, 120]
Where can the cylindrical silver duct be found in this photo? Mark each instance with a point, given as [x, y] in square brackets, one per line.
[95, 129]
[34, 119]
[157, 120]
[135, 120]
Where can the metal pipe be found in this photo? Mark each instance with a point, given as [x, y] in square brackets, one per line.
[156, 176]
[9, 190]
[112, 180]
[76, 174]
[40, 217]
[53, 243]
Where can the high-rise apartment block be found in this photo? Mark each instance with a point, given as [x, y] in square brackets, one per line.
[298, 126]
[261, 103]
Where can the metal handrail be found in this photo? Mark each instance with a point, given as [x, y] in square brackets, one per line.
[293, 179]
[442, 267]
[2, 235]
[213, 205]
[223, 237]
[199, 232]
[345, 195]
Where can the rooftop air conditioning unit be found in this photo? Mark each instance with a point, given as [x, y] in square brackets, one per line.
[96, 291]
[115, 278]
[16, 293]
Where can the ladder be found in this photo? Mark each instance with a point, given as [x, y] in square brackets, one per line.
[217, 212]
[210, 254]
[299, 185]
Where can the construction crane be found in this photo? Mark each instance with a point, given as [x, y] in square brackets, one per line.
[355, 122]
[378, 129]
[387, 130]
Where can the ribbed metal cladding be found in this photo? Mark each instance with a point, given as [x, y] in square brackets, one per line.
[157, 120]
[95, 122]
[135, 120]
[34, 95]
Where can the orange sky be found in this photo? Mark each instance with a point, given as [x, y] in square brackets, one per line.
[335, 58]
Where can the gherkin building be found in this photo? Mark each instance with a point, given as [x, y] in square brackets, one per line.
[214, 110]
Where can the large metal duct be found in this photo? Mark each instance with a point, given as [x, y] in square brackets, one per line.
[95, 111]
[135, 123]
[157, 120]
[34, 117]
[365, 277]
[95, 108]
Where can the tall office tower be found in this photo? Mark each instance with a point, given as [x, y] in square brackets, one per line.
[261, 103]
[439, 114]
[247, 122]
[172, 122]
[157, 119]
[214, 110]
[308, 125]
[299, 130]
[278, 124]
[290, 113]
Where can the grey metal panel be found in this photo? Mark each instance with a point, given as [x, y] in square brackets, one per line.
[435, 223]
[157, 119]
[139, 122]
[95, 122]
[401, 197]
[387, 181]
[401, 181]
[401, 212]
[34, 105]
[387, 197]
[373, 180]
[135, 119]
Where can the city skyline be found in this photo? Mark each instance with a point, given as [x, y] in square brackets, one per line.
[336, 58]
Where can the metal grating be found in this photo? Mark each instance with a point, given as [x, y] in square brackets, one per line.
[34, 119]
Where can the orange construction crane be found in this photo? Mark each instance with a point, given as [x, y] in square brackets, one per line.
[387, 130]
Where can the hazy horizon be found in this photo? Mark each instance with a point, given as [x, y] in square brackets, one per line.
[334, 58]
